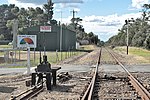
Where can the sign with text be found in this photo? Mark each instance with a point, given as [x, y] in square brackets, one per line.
[26, 41]
[45, 28]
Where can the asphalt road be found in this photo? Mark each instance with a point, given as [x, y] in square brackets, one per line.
[131, 68]
[81, 68]
[64, 68]
[12, 70]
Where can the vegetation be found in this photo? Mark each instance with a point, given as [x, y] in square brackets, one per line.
[37, 16]
[53, 58]
[138, 29]
[81, 34]
[139, 52]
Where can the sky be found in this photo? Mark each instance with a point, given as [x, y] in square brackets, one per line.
[102, 17]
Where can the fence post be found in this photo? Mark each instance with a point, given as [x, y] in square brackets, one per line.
[69, 52]
[34, 55]
[15, 57]
[19, 54]
[57, 57]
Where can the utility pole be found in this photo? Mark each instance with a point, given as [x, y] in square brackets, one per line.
[61, 35]
[73, 15]
[15, 30]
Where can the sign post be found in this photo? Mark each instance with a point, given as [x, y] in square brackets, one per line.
[28, 60]
[27, 41]
[45, 29]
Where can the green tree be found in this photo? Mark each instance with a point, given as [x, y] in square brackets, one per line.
[147, 42]
[15, 10]
[49, 10]
[39, 10]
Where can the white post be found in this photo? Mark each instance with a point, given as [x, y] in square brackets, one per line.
[28, 60]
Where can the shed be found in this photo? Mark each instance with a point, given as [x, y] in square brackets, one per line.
[51, 40]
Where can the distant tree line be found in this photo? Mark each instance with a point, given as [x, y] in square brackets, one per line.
[139, 31]
[37, 16]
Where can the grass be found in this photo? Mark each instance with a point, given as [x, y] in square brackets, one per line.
[17, 67]
[5, 46]
[1, 53]
[52, 57]
[140, 52]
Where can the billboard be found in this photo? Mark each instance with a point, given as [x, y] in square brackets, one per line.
[26, 41]
[45, 28]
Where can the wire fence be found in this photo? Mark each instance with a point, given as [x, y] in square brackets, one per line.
[18, 57]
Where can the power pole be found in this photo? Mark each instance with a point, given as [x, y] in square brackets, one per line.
[73, 15]
[15, 30]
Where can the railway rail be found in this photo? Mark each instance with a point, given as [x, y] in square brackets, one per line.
[89, 91]
[136, 90]
[140, 89]
[145, 95]
[29, 94]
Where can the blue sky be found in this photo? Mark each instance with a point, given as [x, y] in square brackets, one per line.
[103, 17]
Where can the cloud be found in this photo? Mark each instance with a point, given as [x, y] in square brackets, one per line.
[106, 26]
[37, 2]
[110, 20]
[137, 4]
[67, 1]
[66, 5]
[26, 4]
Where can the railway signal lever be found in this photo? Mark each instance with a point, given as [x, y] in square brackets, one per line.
[43, 70]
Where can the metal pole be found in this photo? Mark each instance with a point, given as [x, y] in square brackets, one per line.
[44, 43]
[28, 60]
[61, 36]
[39, 43]
[127, 37]
[34, 55]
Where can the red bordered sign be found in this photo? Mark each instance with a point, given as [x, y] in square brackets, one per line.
[45, 28]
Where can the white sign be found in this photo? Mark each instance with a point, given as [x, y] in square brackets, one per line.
[45, 28]
[26, 41]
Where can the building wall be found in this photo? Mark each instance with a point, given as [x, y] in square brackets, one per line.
[69, 39]
[51, 40]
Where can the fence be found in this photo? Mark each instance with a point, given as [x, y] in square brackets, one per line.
[18, 57]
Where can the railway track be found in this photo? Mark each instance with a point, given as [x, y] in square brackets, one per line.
[116, 86]
[29, 94]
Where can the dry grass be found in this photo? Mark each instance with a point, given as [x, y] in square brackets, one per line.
[139, 54]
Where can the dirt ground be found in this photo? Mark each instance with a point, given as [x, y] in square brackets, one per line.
[70, 89]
